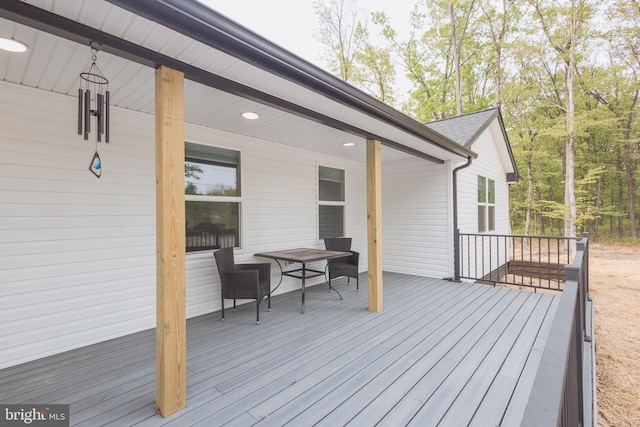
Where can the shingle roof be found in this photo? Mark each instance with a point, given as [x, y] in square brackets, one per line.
[466, 128]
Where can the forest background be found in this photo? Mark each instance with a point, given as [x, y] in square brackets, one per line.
[565, 74]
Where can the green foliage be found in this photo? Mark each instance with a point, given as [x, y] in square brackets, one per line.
[516, 55]
[191, 170]
[375, 72]
[586, 197]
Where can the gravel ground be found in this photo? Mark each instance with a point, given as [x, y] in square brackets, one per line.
[615, 290]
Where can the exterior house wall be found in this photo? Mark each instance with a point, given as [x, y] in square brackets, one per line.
[279, 210]
[416, 218]
[77, 254]
[489, 165]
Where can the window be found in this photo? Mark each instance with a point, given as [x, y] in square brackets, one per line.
[486, 204]
[331, 202]
[212, 197]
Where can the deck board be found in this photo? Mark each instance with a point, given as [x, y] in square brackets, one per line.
[455, 353]
[358, 392]
[303, 360]
[519, 332]
[362, 353]
[465, 384]
[498, 394]
[402, 399]
[515, 409]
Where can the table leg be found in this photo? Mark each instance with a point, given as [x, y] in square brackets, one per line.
[304, 274]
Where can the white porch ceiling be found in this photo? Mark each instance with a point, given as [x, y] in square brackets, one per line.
[53, 64]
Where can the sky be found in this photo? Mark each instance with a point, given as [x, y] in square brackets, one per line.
[292, 23]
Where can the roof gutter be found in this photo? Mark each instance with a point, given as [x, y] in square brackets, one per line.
[43, 20]
[197, 21]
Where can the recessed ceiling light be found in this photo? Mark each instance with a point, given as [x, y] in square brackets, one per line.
[348, 144]
[12, 45]
[250, 115]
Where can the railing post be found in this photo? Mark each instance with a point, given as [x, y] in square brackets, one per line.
[583, 245]
[572, 273]
[585, 268]
[456, 255]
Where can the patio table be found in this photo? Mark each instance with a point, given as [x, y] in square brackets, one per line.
[302, 256]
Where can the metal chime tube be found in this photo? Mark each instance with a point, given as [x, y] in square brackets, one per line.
[100, 110]
[106, 117]
[87, 114]
[80, 111]
[93, 79]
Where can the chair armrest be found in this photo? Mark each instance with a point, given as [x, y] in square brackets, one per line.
[354, 258]
[264, 269]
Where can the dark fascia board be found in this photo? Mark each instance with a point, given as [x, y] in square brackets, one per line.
[198, 22]
[516, 175]
[40, 19]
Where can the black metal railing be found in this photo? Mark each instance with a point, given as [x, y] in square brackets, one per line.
[530, 261]
[558, 394]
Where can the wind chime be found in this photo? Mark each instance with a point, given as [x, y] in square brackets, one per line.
[93, 100]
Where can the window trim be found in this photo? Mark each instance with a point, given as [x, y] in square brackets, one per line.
[486, 205]
[227, 199]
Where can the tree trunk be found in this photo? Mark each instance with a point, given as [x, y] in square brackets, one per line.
[614, 201]
[498, 77]
[630, 166]
[620, 193]
[569, 177]
[599, 202]
[456, 60]
[527, 222]
[541, 214]
[631, 185]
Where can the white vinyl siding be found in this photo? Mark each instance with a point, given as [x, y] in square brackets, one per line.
[416, 218]
[78, 254]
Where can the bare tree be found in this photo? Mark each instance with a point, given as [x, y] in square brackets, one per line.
[459, 23]
[499, 23]
[343, 32]
[563, 29]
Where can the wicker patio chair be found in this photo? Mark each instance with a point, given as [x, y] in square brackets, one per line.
[243, 281]
[344, 266]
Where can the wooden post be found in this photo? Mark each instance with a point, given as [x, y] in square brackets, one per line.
[374, 224]
[171, 324]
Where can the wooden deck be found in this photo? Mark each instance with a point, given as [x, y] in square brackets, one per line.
[441, 353]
